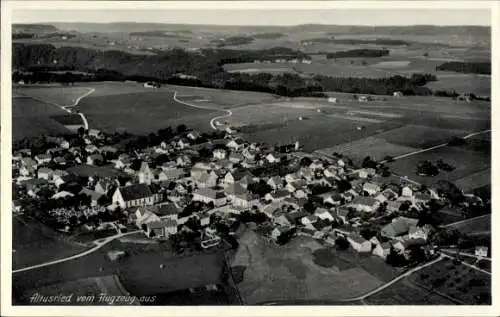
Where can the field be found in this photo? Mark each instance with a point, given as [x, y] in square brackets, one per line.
[60, 95]
[479, 85]
[473, 181]
[457, 281]
[466, 162]
[478, 225]
[140, 271]
[151, 111]
[34, 243]
[287, 273]
[85, 291]
[374, 147]
[406, 293]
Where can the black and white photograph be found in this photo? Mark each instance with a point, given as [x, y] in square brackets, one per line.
[266, 156]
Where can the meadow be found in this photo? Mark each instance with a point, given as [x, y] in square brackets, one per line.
[457, 281]
[289, 272]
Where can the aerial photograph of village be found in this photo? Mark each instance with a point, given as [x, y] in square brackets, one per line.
[337, 157]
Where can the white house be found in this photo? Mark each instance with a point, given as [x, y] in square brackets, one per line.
[208, 195]
[220, 154]
[382, 249]
[364, 204]
[272, 158]
[323, 214]
[371, 188]
[145, 175]
[406, 192]
[134, 195]
[359, 243]
[481, 251]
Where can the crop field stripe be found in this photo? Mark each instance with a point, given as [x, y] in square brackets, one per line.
[376, 113]
[355, 118]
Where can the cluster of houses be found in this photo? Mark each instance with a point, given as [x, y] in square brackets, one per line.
[155, 196]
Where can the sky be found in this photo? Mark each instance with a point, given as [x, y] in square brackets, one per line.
[262, 17]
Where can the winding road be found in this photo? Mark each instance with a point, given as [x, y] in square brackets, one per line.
[99, 244]
[213, 120]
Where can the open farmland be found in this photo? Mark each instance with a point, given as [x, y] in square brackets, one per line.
[458, 281]
[475, 180]
[479, 85]
[406, 293]
[466, 162]
[60, 95]
[272, 273]
[140, 272]
[419, 136]
[374, 147]
[479, 226]
[31, 118]
[142, 113]
[34, 243]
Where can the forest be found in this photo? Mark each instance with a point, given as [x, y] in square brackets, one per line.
[358, 53]
[45, 63]
[467, 67]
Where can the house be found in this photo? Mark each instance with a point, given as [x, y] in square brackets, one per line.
[359, 243]
[183, 160]
[402, 246]
[235, 144]
[207, 180]
[219, 154]
[135, 195]
[62, 194]
[271, 158]
[316, 164]
[208, 195]
[342, 214]
[161, 229]
[43, 159]
[389, 194]
[398, 227]
[406, 192]
[421, 198]
[284, 221]
[382, 250]
[45, 173]
[290, 178]
[244, 200]
[381, 198]
[481, 251]
[170, 173]
[277, 196]
[103, 186]
[95, 133]
[236, 157]
[193, 135]
[371, 188]
[94, 196]
[168, 211]
[397, 94]
[330, 171]
[364, 204]
[145, 174]
[275, 182]
[91, 148]
[394, 205]
[296, 185]
[323, 214]
[272, 209]
[60, 160]
[278, 231]
[182, 144]
[419, 232]
[309, 220]
[95, 159]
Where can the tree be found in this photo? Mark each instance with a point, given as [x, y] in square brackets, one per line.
[426, 168]
[305, 161]
[181, 128]
[341, 243]
[369, 163]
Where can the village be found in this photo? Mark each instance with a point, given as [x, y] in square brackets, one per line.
[196, 189]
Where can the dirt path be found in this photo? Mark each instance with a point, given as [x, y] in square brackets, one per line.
[227, 114]
[99, 244]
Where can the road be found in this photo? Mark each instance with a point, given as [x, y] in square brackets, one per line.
[364, 296]
[436, 146]
[227, 114]
[464, 221]
[453, 252]
[468, 265]
[99, 244]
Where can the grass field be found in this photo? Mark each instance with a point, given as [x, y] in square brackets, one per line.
[272, 273]
[150, 111]
[473, 181]
[34, 243]
[462, 83]
[85, 291]
[473, 226]
[60, 95]
[140, 271]
[406, 293]
[466, 162]
[376, 148]
[455, 280]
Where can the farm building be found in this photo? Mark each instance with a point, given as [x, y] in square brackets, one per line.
[332, 100]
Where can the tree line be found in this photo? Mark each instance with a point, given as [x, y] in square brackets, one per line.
[466, 67]
[204, 68]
